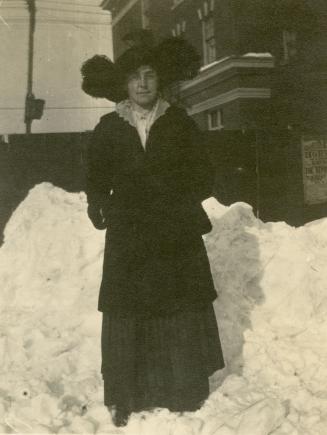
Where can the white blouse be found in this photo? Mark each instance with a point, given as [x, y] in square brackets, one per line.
[142, 121]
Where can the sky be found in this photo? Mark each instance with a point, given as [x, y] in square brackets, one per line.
[67, 33]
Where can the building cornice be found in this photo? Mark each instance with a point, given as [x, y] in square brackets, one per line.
[225, 64]
[122, 12]
[104, 4]
[235, 94]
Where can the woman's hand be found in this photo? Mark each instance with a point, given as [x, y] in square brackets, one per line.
[96, 216]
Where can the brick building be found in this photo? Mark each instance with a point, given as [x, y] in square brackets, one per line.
[262, 84]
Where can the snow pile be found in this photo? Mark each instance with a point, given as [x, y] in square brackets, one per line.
[50, 267]
[271, 312]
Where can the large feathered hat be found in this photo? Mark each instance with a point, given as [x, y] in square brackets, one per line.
[174, 59]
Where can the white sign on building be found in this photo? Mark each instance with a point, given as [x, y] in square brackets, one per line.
[314, 158]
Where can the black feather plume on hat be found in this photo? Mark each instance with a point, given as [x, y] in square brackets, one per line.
[176, 60]
[101, 78]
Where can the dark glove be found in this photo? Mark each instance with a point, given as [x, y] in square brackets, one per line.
[96, 217]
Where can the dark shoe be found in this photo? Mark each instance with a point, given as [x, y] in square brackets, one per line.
[120, 417]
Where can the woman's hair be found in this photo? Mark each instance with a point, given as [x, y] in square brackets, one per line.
[134, 58]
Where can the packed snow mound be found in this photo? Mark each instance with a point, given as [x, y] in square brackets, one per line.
[271, 311]
[50, 268]
[50, 254]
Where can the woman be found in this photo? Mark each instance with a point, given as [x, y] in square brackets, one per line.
[147, 176]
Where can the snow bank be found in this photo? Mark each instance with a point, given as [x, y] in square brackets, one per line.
[50, 267]
[271, 311]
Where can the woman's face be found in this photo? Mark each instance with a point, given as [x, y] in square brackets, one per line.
[142, 86]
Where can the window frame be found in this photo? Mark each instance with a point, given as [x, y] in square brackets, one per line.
[208, 37]
[290, 40]
[220, 119]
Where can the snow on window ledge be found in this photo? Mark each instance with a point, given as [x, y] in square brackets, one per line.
[211, 64]
[176, 3]
[266, 55]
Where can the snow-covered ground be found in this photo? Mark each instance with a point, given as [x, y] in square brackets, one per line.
[271, 310]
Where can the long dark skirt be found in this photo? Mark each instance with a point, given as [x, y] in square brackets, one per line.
[164, 362]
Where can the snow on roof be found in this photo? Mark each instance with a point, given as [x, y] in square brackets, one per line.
[216, 62]
[266, 55]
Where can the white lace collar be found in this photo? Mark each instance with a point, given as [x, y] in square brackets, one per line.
[125, 111]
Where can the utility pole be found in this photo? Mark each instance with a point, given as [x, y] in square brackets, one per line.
[33, 107]
[29, 95]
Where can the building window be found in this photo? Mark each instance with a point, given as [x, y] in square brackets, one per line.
[215, 119]
[145, 5]
[289, 45]
[205, 14]
[179, 29]
[209, 40]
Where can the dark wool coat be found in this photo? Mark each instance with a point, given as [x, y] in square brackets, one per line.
[154, 260]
